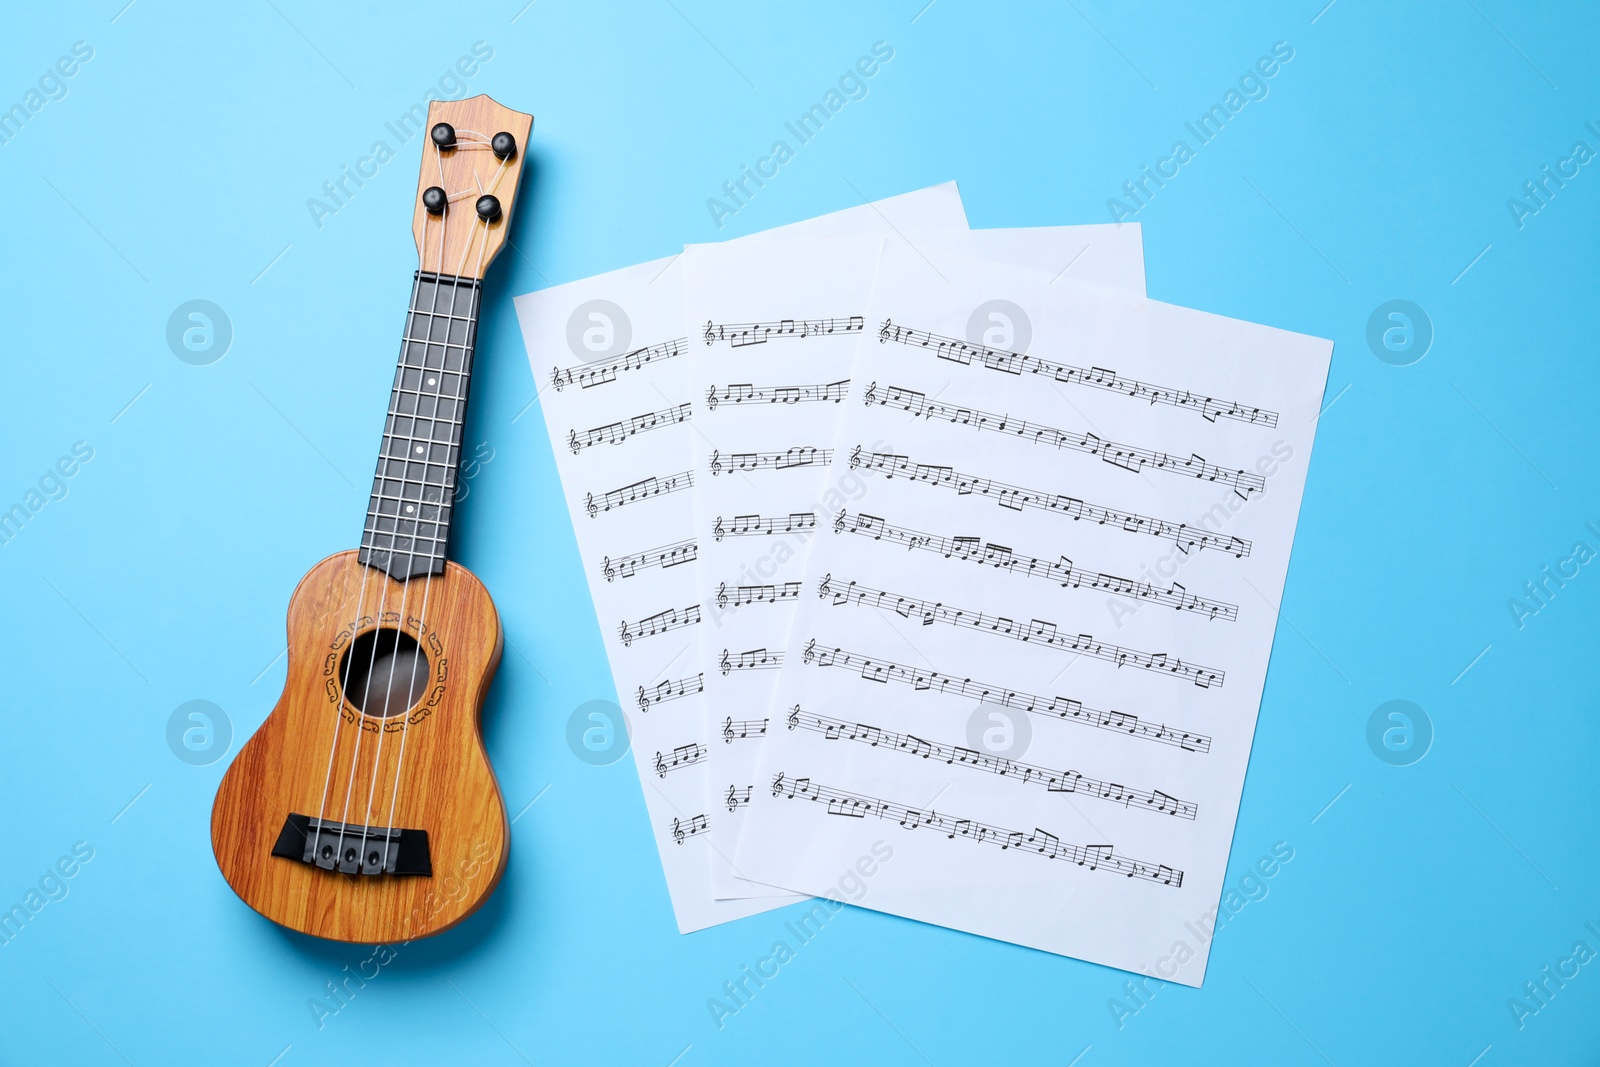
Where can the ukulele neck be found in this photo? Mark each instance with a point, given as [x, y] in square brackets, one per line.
[413, 492]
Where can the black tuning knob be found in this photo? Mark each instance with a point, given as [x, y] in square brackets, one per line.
[504, 145]
[444, 135]
[488, 207]
[434, 200]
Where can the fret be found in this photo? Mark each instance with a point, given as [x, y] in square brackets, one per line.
[407, 530]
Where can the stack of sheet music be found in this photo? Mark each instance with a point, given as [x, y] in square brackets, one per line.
[937, 567]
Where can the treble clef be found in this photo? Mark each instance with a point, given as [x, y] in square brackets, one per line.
[871, 395]
[810, 653]
[717, 531]
[722, 594]
[727, 731]
[644, 701]
[825, 587]
[572, 442]
[607, 569]
[716, 463]
[627, 635]
[711, 398]
[589, 505]
[883, 332]
[855, 457]
[777, 784]
[557, 379]
[725, 665]
[677, 831]
[794, 717]
[709, 335]
[661, 766]
[733, 798]
[838, 523]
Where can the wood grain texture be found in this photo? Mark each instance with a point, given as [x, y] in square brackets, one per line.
[460, 243]
[446, 785]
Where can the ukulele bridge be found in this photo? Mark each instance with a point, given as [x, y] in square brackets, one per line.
[351, 848]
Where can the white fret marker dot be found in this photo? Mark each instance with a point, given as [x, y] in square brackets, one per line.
[419, 448]
[433, 381]
[409, 509]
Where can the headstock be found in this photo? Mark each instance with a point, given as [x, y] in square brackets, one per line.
[478, 170]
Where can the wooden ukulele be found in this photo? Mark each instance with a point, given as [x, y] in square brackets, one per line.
[364, 808]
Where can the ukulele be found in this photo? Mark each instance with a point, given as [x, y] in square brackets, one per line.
[364, 809]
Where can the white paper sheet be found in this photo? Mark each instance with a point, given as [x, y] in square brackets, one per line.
[776, 326]
[1029, 659]
[608, 354]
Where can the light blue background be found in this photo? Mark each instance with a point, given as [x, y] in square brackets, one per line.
[178, 167]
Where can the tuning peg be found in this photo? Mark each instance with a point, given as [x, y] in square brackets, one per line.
[444, 135]
[434, 200]
[488, 207]
[504, 145]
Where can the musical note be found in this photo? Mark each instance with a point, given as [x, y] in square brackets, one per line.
[1017, 498]
[754, 525]
[799, 456]
[777, 394]
[741, 729]
[644, 489]
[1128, 457]
[614, 433]
[1015, 363]
[738, 798]
[682, 756]
[606, 370]
[682, 687]
[1035, 631]
[756, 594]
[1068, 710]
[757, 659]
[1054, 781]
[1063, 573]
[660, 623]
[740, 335]
[665, 557]
[683, 829]
[1039, 842]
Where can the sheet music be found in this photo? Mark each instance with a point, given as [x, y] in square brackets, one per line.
[609, 355]
[774, 332]
[1030, 655]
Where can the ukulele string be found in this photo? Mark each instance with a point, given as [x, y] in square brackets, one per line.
[361, 601]
[383, 601]
[433, 308]
[366, 571]
[405, 596]
[338, 719]
[458, 414]
[461, 385]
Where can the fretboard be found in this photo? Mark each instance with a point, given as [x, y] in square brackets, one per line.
[413, 493]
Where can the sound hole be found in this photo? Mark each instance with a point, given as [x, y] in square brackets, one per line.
[385, 672]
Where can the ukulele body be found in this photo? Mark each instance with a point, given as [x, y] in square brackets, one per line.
[417, 770]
